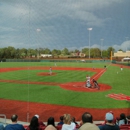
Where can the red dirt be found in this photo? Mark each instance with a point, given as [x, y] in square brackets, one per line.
[46, 74]
[25, 109]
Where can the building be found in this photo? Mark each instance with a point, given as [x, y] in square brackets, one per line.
[122, 56]
[45, 55]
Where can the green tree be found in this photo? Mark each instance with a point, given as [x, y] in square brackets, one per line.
[120, 50]
[76, 51]
[31, 52]
[2, 53]
[105, 54]
[56, 52]
[85, 51]
[95, 53]
[109, 50]
[44, 51]
[65, 51]
[17, 55]
[11, 51]
[23, 52]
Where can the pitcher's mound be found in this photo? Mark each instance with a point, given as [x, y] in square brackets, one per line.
[46, 74]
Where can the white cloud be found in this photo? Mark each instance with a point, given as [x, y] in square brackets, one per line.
[125, 46]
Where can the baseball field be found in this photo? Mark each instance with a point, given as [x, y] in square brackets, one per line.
[27, 88]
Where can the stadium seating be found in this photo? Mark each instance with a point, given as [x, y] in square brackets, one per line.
[125, 127]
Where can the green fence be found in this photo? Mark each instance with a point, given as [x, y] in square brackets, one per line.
[56, 60]
[127, 63]
[21, 60]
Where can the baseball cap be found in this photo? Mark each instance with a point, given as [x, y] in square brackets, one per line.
[109, 116]
[37, 116]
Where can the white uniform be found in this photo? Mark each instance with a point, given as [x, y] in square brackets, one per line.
[88, 78]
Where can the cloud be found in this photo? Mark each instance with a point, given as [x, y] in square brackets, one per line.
[44, 10]
[125, 46]
[61, 23]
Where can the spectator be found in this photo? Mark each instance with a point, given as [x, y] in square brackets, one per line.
[61, 121]
[1, 126]
[50, 124]
[87, 122]
[40, 122]
[128, 119]
[122, 120]
[73, 120]
[109, 123]
[50, 127]
[114, 120]
[34, 125]
[51, 121]
[68, 124]
[14, 125]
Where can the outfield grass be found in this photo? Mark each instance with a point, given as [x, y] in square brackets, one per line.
[55, 95]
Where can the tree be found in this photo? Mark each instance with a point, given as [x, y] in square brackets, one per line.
[104, 53]
[12, 52]
[56, 52]
[23, 52]
[95, 52]
[31, 52]
[2, 53]
[44, 51]
[109, 50]
[17, 55]
[120, 50]
[76, 51]
[85, 51]
[65, 51]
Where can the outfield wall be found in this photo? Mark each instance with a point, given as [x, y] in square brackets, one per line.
[56, 60]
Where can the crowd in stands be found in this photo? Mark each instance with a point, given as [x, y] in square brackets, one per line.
[67, 122]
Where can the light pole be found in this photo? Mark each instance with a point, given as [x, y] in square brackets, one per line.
[38, 30]
[101, 46]
[89, 29]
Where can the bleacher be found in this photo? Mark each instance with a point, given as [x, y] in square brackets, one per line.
[125, 127]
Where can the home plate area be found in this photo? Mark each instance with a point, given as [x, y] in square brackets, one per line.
[80, 86]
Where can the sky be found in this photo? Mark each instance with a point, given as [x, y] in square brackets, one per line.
[59, 24]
